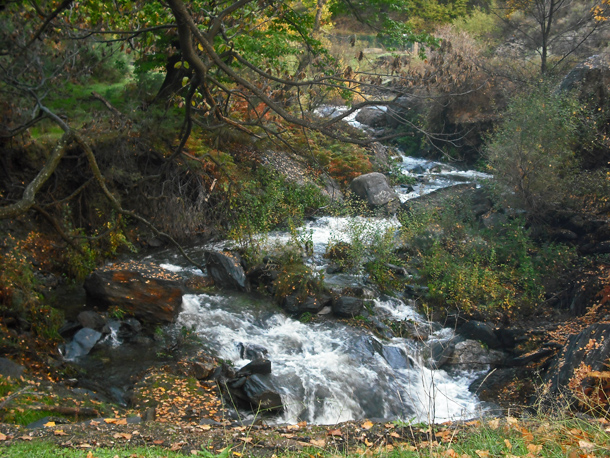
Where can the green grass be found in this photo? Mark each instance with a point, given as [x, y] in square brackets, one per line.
[48, 450]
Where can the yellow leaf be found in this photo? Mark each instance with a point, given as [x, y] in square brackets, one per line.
[199, 46]
[508, 444]
[482, 453]
[533, 448]
[60, 432]
[49, 424]
[2, 437]
[367, 424]
[318, 443]
[110, 420]
[494, 424]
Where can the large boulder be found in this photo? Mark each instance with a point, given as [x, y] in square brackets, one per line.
[146, 291]
[347, 307]
[482, 332]
[473, 355]
[82, 343]
[585, 353]
[375, 189]
[591, 78]
[372, 117]
[227, 271]
[10, 369]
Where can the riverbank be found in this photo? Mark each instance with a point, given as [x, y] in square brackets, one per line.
[507, 436]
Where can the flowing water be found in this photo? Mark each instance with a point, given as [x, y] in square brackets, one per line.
[325, 371]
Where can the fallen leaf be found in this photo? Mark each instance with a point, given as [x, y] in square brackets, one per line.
[508, 444]
[512, 420]
[368, 443]
[204, 427]
[395, 434]
[494, 424]
[110, 421]
[2, 437]
[125, 436]
[49, 424]
[60, 432]
[451, 453]
[533, 448]
[158, 442]
[318, 442]
[247, 440]
[25, 438]
[367, 424]
[335, 432]
[586, 445]
[482, 453]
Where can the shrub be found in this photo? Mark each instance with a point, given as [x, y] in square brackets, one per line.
[479, 270]
[531, 153]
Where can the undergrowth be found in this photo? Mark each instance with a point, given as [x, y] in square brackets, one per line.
[474, 269]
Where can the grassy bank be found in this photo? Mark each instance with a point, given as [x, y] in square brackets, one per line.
[508, 437]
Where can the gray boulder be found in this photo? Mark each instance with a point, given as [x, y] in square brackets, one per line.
[473, 354]
[372, 117]
[10, 369]
[375, 189]
[227, 271]
[483, 332]
[82, 343]
[347, 307]
[91, 319]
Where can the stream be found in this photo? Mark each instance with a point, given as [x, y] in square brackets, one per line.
[325, 371]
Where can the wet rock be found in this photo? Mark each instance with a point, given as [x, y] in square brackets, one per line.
[68, 329]
[82, 343]
[472, 354]
[396, 357]
[129, 328]
[10, 369]
[347, 307]
[374, 188]
[372, 117]
[200, 370]
[261, 395]
[227, 271]
[257, 366]
[146, 291]
[482, 332]
[296, 305]
[251, 351]
[438, 353]
[91, 319]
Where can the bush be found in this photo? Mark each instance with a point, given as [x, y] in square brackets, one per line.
[476, 270]
[531, 153]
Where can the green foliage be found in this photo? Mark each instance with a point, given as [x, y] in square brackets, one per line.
[299, 280]
[19, 301]
[531, 153]
[480, 270]
[269, 200]
[368, 247]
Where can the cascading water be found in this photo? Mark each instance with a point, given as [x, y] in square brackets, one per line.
[327, 372]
